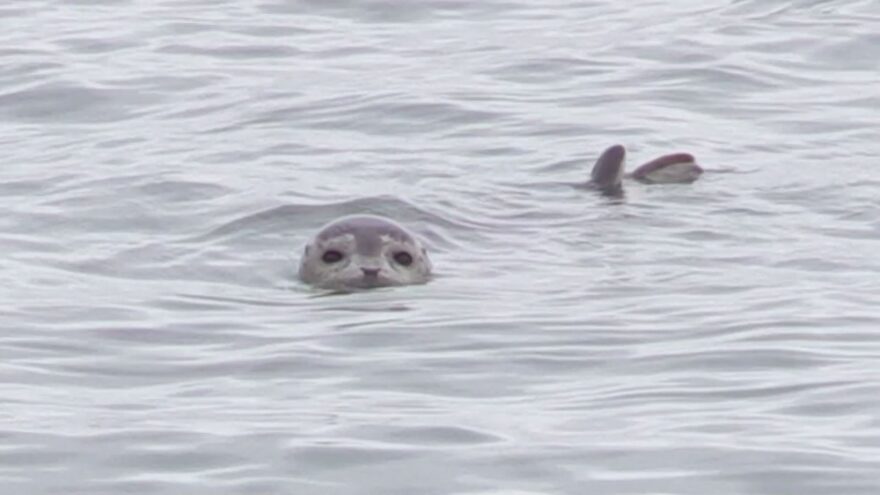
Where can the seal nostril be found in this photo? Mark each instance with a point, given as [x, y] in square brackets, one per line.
[370, 272]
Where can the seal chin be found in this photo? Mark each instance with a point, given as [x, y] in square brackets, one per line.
[370, 282]
[365, 281]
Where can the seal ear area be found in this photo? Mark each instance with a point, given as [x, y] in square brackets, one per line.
[669, 169]
[608, 171]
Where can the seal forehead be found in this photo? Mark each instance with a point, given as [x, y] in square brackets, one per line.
[365, 227]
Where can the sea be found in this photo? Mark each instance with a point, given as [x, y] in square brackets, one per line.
[163, 163]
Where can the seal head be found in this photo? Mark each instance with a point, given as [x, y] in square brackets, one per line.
[364, 251]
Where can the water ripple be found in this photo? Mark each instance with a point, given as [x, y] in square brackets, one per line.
[165, 162]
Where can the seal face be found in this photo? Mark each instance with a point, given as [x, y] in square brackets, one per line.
[364, 251]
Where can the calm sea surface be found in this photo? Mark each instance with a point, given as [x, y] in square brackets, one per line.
[162, 163]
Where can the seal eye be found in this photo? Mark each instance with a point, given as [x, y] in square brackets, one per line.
[331, 256]
[403, 258]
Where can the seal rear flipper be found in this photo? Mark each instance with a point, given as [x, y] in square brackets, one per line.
[669, 169]
[607, 173]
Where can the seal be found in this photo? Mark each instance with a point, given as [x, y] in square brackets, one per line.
[361, 252]
[607, 174]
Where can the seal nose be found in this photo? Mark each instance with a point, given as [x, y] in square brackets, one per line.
[370, 272]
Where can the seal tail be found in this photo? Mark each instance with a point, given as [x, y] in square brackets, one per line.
[669, 169]
[607, 173]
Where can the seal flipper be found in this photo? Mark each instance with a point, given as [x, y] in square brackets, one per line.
[668, 169]
[607, 173]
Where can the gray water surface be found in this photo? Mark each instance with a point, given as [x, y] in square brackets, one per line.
[162, 163]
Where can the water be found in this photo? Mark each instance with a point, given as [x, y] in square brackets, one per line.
[163, 163]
